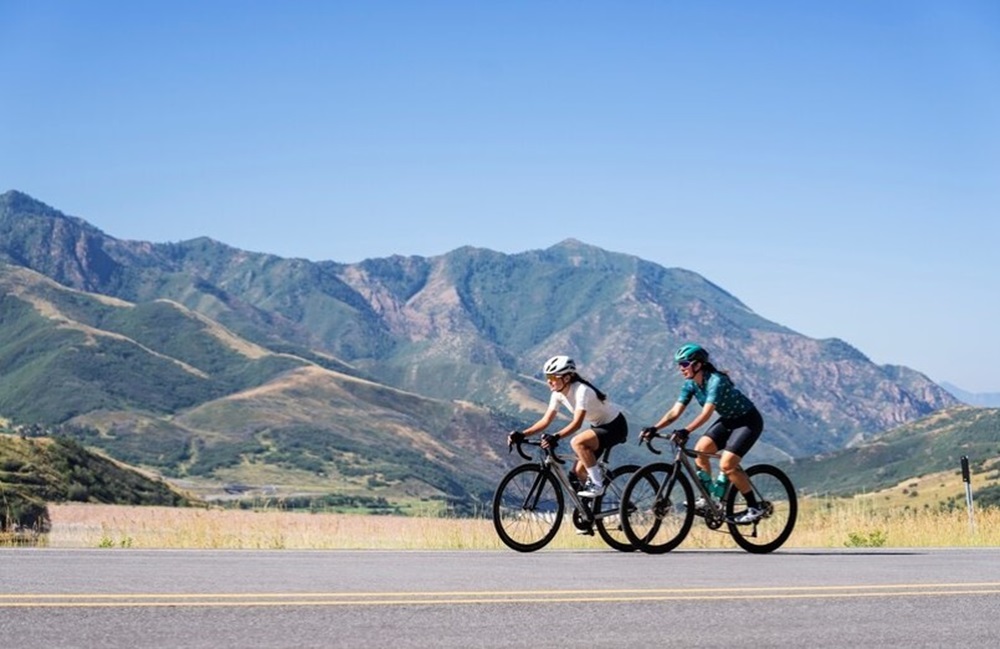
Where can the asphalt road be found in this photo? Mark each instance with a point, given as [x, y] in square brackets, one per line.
[600, 598]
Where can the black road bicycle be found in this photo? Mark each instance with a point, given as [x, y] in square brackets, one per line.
[658, 505]
[529, 504]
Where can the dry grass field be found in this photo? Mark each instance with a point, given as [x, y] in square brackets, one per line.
[81, 525]
[822, 523]
[928, 511]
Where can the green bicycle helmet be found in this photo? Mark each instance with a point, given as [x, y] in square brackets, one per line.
[691, 352]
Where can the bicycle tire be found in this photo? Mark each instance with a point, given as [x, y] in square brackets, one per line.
[527, 508]
[776, 494]
[609, 525]
[652, 521]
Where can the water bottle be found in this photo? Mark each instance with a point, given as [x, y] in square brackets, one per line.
[705, 479]
[719, 486]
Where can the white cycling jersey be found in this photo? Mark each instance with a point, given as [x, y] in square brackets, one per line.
[583, 397]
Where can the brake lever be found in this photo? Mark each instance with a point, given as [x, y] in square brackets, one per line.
[649, 443]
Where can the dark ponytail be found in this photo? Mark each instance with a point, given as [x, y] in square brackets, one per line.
[709, 368]
[600, 395]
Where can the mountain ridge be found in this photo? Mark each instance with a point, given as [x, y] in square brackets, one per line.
[470, 326]
[982, 399]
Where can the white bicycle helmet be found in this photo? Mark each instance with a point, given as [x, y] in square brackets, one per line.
[558, 366]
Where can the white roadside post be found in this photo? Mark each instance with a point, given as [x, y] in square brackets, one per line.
[968, 493]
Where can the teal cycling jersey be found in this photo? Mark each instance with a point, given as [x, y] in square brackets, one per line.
[720, 391]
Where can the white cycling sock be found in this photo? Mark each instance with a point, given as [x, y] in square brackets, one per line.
[595, 475]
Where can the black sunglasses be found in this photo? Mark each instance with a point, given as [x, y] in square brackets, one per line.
[686, 363]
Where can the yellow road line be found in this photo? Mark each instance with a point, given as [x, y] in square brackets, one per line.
[124, 600]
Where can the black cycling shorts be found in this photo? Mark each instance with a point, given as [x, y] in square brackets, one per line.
[612, 433]
[738, 434]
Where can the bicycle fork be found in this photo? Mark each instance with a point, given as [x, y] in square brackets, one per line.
[534, 494]
[663, 504]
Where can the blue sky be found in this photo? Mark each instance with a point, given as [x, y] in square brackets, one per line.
[835, 165]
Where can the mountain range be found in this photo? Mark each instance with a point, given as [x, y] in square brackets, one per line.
[981, 399]
[398, 375]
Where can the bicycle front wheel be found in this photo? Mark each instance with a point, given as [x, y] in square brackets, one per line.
[607, 509]
[527, 508]
[776, 495]
[656, 514]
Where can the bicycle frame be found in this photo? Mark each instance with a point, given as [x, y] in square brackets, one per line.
[683, 462]
[530, 502]
[715, 515]
[552, 463]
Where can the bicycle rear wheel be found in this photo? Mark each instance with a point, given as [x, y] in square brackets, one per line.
[607, 509]
[776, 496]
[527, 508]
[656, 517]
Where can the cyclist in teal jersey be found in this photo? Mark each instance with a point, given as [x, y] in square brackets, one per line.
[734, 432]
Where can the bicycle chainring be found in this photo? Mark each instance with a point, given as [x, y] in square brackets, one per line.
[714, 518]
[579, 522]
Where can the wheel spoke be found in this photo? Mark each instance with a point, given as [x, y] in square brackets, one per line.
[776, 496]
[656, 520]
[527, 508]
[608, 508]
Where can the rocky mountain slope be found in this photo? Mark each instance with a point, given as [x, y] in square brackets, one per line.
[171, 331]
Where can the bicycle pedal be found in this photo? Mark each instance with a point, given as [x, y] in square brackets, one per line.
[589, 531]
[733, 520]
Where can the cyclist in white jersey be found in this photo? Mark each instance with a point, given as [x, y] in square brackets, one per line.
[584, 403]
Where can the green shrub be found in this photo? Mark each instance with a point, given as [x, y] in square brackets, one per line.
[874, 539]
